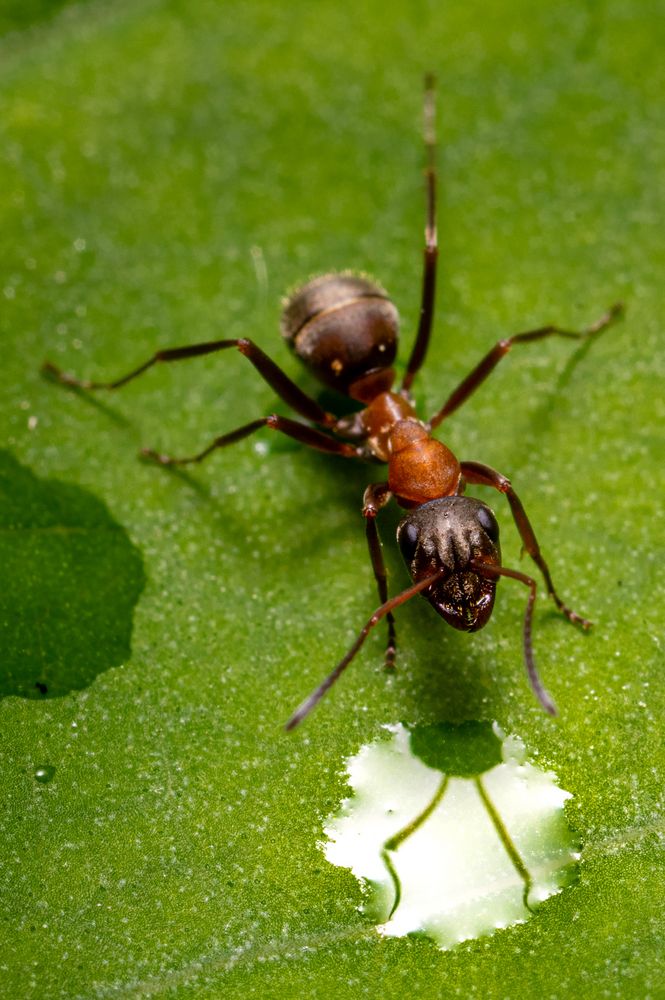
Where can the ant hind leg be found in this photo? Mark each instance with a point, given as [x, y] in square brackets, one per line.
[278, 380]
[431, 252]
[486, 366]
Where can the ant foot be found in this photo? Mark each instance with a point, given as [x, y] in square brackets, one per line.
[612, 313]
[149, 455]
[389, 662]
[55, 374]
[51, 371]
[573, 617]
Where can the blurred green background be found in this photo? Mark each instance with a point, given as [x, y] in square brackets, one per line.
[168, 170]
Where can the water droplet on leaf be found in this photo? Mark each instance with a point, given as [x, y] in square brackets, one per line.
[44, 773]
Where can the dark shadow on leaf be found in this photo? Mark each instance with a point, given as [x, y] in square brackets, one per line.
[16, 15]
[69, 580]
[88, 397]
[189, 479]
[541, 419]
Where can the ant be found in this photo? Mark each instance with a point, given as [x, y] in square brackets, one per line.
[344, 327]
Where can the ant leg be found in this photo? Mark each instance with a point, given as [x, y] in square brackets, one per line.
[375, 497]
[501, 348]
[310, 436]
[419, 349]
[486, 569]
[315, 697]
[483, 475]
[265, 366]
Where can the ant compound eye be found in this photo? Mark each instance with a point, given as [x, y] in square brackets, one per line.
[488, 523]
[408, 541]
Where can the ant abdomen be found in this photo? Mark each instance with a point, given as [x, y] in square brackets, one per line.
[344, 328]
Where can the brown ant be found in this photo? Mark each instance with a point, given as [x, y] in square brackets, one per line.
[344, 328]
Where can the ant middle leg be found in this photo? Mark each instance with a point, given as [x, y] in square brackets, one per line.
[476, 378]
[309, 436]
[278, 380]
[483, 475]
[375, 497]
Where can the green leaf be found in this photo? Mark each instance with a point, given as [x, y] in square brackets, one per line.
[168, 171]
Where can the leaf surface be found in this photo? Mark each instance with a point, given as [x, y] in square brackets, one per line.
[167, 171]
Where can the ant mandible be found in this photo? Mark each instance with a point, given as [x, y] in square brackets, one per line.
[344, 327]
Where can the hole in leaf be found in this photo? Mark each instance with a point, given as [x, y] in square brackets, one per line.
[452, 853]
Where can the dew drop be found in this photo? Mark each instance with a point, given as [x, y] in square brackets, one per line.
[44, 773]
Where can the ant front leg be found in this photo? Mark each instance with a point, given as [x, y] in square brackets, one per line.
[309, 436]
[502, 347]
[495, 572]
[386, 609]
[278, 380]
[483, 475]
[375, 497]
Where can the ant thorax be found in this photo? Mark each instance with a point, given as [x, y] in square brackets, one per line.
[420, 468]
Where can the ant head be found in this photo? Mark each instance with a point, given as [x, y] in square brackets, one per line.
[453, 534]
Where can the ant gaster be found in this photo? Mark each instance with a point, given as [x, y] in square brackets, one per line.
[344, 328]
